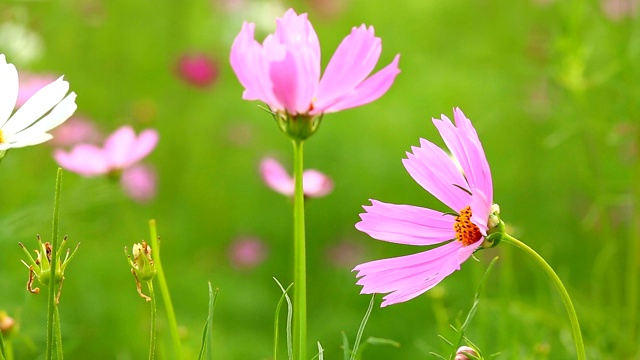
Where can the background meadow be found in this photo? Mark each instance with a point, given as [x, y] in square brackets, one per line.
[552, 89]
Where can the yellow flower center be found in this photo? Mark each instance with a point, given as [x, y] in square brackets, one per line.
[466, 231]
[1, 137]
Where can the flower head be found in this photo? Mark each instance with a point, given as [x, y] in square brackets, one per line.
[467, 190]
[197, 69]
[284, 71]
[315, 183]
[121, 150]
[247, 252]
[49, 107]
[140, 182]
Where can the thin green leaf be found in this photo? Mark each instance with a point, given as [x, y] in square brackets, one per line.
[207, 334]
[345, 346]
[320, 354]
[354, 353]
[3, 355]
[289, 319]
[474, 307]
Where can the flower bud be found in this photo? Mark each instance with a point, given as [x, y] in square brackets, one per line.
[40, 267]
[142, 266]
[142, 262]
[463, 351]
[8, 325]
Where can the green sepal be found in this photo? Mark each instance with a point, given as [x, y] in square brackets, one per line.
[494, 235]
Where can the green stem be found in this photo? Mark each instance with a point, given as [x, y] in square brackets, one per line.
[633, 267]
[152, 331]
[573, 317]
[299, 259]
[51, 295]
[58, 333]
[164, 289]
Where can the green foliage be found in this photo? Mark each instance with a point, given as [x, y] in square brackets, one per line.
[552, 91]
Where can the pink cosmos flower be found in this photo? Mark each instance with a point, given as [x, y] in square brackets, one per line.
[315, 183]
[139, 182]
[467, 190]
[619, 9]
[247, 252]
[197, 69]
[284, 71]
[76, 130]
[121, 150]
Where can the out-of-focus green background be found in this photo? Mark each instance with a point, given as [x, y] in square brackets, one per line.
[551, 86]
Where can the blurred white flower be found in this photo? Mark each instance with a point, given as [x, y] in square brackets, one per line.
[21, 43]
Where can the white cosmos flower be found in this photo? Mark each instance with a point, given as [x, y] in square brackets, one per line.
[45, 110]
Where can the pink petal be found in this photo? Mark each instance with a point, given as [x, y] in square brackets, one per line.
[296, 75]
[352, 62]
[432, 168]
[276, 177]
[140, 182]
[408, 276]
[84, 159]
[248, 60]
[464, 144]
[405, 224]
[118, 146]
[316, 184]
[369, 90]
[123, 149]
[144, 145]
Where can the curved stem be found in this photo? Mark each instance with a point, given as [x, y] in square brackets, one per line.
[152, 331]
[299, 259]
[164, 289]
[573, 317]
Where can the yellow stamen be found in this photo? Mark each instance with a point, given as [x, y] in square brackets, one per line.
[1, 137]
[466, 231]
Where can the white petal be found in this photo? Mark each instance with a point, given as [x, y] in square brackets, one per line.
[28, 138]
[39, 104]
[8, 89]
[57, 116]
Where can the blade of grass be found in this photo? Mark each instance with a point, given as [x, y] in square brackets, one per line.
[3, 355]
[345, 346]
[474, 307]
[289, 320]
[354, 353]
[207, 334]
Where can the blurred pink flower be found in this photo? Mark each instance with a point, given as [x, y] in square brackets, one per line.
[76, 130]
[30, 84]
[121, 150]
[284, 71]
[467, 191]
[314, 183]
[198, 69]
[345, 254]
[139, 182]
[247, 253]
[618, 9]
